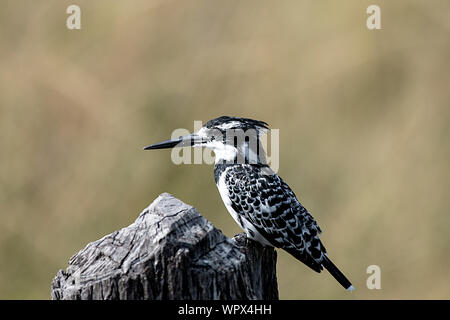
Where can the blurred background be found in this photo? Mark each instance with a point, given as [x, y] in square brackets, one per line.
[363, 118]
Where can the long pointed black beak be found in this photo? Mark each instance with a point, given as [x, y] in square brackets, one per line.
[186, 141]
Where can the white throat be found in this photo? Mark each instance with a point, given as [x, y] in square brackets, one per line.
[223, 152]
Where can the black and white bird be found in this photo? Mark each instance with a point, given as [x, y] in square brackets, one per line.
[260, 202]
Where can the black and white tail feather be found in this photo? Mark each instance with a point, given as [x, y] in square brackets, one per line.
[337, 274]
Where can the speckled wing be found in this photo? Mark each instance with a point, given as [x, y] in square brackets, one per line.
[262, 198]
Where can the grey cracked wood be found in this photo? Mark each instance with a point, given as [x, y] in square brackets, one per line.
[169, 252]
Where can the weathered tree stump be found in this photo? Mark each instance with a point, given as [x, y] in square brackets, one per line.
[169, 252]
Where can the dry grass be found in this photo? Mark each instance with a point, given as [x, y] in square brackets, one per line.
[363, 118]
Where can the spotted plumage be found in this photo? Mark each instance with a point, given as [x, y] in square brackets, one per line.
[260, 197]
[260, 202]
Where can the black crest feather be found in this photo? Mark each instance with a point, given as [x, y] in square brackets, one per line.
[241, 123]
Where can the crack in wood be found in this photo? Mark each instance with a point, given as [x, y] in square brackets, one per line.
[180, 256]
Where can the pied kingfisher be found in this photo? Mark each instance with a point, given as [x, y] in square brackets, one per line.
[260, 202]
